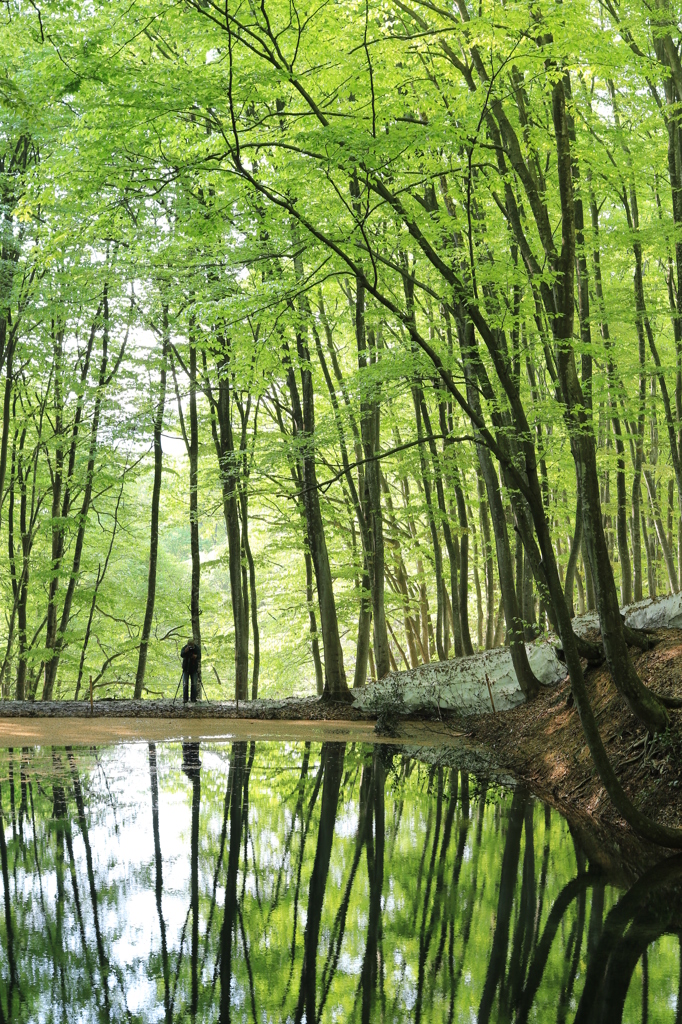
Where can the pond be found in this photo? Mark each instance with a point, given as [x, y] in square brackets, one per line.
[304, 882]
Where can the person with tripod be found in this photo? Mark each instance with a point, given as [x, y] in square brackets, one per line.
[191, 661]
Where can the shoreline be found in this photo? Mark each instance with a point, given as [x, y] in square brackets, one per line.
[44, 730]
[539, 745]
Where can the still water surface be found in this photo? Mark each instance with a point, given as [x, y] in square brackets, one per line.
[295, 882]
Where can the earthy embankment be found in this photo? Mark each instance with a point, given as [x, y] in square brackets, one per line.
[539, 744]
[542, 745]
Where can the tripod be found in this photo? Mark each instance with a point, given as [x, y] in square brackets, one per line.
[201, 686]
[177, 687]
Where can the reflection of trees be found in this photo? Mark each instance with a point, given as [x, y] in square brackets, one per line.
[332, 757]
[375, 845]
[191, 766]
[235, 787]
[158, 876]
[651, 908]
[83, 824]
[9, 926]
[373, 887]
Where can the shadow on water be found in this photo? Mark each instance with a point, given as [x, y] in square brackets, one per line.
[311, 883]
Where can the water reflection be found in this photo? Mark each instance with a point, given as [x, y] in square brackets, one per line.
[308, 883]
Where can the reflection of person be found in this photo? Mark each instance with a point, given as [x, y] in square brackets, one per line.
[191, 660]
[190, 760]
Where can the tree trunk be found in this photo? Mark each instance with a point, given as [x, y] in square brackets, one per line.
[640, 700]
[622, 520]
[487, 554]
[418, 399]
[304, 418]
[154, 526]
[660, 530]
[364, 627]
[451, 542]
[621, 515]
[370, 419]
[573, 557]
[636, 530]
[63, 486]
[52, 662]
[6, 410]
[228, 462]
[314, 641]
[467, 646]
[524, 674]
[193, 499]
[24, 577]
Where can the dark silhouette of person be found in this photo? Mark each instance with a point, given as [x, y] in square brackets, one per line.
[191, 660]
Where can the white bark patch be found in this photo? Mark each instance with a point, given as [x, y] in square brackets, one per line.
[484, 682]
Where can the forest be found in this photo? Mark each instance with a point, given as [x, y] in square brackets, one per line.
[342, 337]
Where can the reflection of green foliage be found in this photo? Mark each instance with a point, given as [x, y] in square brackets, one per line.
[85, 937]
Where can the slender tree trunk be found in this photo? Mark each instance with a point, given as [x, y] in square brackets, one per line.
[573, 557]
[314, 641]
[636, 530]
[370, 419]
[304, 419]
[487, 553]
[11, 552]
[23, 581]
[451, 542]
[660, 531]
[640, 700]
[530, 625]
[154, 528]
[52, 662]
[6, 415]
[622, 519]
[193, 499]
[223, 440]
[63, 484]
[364, 627]
[467, 645]
[418, 398]
[621, 515]
[248, 565]
[524, 674]
[650, 548]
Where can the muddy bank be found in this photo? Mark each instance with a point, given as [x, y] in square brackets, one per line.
[102, 730]
[542, 745]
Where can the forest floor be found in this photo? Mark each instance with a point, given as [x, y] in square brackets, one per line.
[542, 745]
